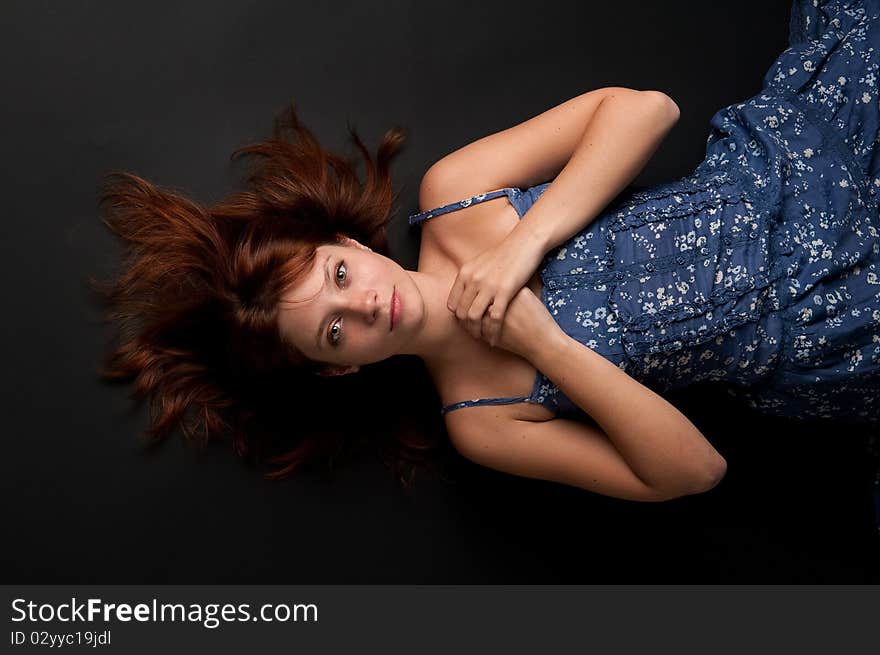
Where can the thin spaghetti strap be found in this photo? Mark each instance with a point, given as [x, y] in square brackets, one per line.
[510, 192]
[509, 400]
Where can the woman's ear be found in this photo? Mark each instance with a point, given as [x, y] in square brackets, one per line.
[348, 241]
[332, 371]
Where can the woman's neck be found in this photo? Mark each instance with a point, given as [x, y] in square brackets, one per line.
[440, 330]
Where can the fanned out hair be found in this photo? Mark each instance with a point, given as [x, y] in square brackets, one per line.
[196, 306]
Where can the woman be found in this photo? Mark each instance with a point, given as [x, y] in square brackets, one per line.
[548, 320]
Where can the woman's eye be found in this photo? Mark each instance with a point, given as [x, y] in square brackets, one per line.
[341, 272]
[336, 327]
[335, 333]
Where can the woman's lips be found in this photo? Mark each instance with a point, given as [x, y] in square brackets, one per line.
[396, 308]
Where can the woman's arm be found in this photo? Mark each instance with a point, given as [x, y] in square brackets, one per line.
[561, 450]
[643, 448]
[661, 446]
[618, 141]
[593, 145]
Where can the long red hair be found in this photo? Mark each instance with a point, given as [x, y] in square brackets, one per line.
[196, 305]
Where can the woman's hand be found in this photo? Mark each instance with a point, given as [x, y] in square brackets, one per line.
[490, 281]
[527, 324]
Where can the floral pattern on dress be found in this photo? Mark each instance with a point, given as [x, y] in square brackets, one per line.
[761, 269]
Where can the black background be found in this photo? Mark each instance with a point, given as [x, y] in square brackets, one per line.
[168, 91]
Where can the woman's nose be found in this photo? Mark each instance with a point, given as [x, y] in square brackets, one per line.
[367, 305]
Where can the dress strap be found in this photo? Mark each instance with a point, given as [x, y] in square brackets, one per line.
[509, 400]
[510, 192]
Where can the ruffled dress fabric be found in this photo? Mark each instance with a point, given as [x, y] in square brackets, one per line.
[762, 268]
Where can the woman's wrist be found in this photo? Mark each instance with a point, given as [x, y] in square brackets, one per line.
[533, 236]
[548, 346]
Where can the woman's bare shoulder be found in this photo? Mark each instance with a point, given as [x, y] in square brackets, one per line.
[444, 184]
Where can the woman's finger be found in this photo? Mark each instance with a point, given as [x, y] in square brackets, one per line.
[475, 314]
[465, 301]
[488, 335]
[494, 320]
[455, 293]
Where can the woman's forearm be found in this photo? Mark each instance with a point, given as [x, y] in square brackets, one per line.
[659, 443]
[619, 139]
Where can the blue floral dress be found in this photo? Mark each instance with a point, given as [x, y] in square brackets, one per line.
[761, 269]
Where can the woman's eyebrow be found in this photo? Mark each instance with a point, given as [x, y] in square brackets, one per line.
[318, 341]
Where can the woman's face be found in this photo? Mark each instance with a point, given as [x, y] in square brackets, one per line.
[340, 312]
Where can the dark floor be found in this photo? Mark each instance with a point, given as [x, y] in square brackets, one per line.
[169, 91]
